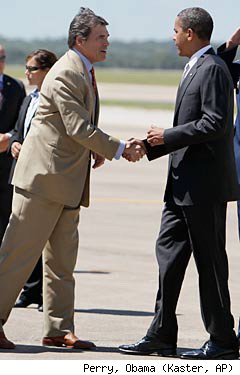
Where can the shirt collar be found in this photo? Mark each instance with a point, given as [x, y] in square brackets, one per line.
[34, 93]
[1, 77]
[194, 58]
[84, 59]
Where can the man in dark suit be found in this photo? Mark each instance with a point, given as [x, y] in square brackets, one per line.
[12, 93]
[227, 51]
[201, 179]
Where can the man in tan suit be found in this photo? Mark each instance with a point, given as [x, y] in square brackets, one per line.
[50, 189]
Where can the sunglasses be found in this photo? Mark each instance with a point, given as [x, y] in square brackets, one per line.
[32, 68]
[2, 58]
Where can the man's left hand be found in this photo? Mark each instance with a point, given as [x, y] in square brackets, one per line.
[155, 136]
[99, 160]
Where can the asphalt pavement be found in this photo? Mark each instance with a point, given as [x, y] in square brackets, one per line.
[116, 273]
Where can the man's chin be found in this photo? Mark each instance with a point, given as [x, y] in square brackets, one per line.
[104, 56]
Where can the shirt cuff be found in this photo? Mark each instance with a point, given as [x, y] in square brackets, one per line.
[120, 150]
[9, 134]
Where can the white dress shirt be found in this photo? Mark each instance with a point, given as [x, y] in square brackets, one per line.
[31, 111]
[194, 58]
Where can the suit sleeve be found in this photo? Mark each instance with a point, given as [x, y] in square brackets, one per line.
[215, 92]
[154, 152]
[15, 137]
[70, 103]
[17, 132]
[228, 55]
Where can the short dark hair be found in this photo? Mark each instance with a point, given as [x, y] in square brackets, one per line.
[43, 57]
[197, 19]
[82, 25]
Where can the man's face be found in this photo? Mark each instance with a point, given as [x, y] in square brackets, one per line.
[95, 46]
[2, 59]
[181, 39]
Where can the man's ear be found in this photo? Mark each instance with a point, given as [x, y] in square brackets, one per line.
[190, 34]
[79, 41]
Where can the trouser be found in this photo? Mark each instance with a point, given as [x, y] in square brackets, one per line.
[6, 193]
[199, 230]
[32, 290]
[34, 223]
[238, 209]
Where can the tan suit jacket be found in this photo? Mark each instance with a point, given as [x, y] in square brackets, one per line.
[54, 162]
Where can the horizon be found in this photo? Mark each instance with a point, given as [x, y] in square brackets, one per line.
[49, 38]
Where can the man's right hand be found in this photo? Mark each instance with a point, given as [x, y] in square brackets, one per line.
[15, 149]
[134, 150]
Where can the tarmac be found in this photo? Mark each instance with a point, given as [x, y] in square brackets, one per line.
[116, 272]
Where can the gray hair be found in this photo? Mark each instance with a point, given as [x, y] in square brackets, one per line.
[197, 19]
[82, 25]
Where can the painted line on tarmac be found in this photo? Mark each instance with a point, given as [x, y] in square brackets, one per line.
[126, 200]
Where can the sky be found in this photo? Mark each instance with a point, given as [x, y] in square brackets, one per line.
[129, 20]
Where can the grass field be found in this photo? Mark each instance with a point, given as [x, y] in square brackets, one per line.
[141, 77]
[17, 71]
[138, 104]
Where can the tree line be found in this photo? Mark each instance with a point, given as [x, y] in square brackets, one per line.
[128, 55]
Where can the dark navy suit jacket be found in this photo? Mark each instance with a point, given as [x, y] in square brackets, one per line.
[234, 67]
[13, 95]
[200, 143]
[18, 132]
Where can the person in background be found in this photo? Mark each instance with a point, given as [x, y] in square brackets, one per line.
[12, 93]
[38, 64]
[227, 52]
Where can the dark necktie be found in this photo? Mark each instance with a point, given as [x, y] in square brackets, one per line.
[94, 83]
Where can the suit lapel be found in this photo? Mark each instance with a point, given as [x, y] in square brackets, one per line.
[183, 87]
[81, 69]
[25, 105]
[23, 113]
[7, 88]
[92, 94]
[94, 98]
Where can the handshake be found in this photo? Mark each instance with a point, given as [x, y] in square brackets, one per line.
[135, 148]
